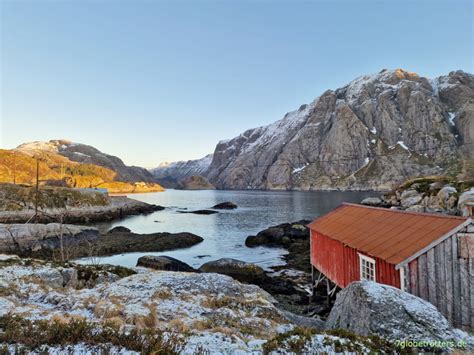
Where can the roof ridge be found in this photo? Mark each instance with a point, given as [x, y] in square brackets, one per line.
[423, 214]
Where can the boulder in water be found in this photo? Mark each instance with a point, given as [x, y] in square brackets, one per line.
[163, 262]
[225, 206]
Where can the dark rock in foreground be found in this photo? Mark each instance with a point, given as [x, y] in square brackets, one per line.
[369, 308]
[164, 262]
[282, 235]
[237, 269]
[291, 236]
[202, 212]
[225, 206]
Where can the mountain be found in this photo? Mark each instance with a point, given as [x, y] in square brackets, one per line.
[376, 131]
[86, 154]
[169, 174]
[63, 163]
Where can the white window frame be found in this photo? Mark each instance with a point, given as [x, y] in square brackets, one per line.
[403, 279]
[364, 258]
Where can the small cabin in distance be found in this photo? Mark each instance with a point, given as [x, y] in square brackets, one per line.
[428, 255]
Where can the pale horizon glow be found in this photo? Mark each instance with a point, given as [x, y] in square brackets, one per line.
[156, 81]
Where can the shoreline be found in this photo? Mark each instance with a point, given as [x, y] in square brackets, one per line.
[119, 207]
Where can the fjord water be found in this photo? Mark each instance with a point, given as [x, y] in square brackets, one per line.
[224, 233]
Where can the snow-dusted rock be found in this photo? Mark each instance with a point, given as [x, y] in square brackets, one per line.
[30, 237]
[410, 201]
[372, 201]
[366, 307]
[466, 199]
[444, 197]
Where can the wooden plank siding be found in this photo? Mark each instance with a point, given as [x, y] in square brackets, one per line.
[340, 263]
[441, 277]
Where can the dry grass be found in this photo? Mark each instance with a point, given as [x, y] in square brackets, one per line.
[162, 294]
[34, 334]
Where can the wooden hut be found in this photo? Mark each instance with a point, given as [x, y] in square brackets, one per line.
[428, 255]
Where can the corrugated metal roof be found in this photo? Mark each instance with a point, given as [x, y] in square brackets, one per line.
[391, 235]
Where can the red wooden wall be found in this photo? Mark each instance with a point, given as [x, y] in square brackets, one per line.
[340, 263]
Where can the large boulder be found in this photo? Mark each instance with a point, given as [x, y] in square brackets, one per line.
[225, 206]
[410, 197]
[367, 308]
[237, 269]
[466, 199]
[163, 262]
[281, 235]
[372, 201]
[445, 197]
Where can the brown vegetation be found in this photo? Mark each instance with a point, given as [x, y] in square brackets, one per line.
[56, 170]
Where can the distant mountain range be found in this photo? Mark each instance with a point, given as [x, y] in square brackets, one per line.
[169, 174]
[376, 131]
[64, 163]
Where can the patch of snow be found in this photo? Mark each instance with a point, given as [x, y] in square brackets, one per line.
[82, 154]
[373, 130]
[297, 170]
[401, 144]
[451, 117]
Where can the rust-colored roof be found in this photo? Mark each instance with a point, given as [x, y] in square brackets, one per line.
[391, 235]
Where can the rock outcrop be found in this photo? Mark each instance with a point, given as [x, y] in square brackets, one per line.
[237, 269]
[194, 182]
[429, 194]
[378, 130]
[25, 238]
[70, 206]
[292, 236]
[164, 262]
[367, 307]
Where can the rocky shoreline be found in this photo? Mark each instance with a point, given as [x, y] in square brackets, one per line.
[118, 207]
[429, 194]
[66, 242]
[47, 306]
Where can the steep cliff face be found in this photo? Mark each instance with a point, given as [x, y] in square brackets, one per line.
[87, 154]
[169, 174]
[378, 130]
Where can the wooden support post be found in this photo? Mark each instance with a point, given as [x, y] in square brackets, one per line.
[37, 190]
[328, 288]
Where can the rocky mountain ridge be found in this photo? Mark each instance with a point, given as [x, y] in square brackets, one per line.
[378, 130]
[87, 154]
[373, 133]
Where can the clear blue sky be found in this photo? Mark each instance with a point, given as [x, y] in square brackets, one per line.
[152, 81]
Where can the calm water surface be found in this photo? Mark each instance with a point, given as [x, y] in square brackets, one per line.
[224, 233]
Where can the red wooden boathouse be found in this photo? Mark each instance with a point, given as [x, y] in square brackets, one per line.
[429, 255]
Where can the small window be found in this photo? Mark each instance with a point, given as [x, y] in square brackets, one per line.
[367, 268]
